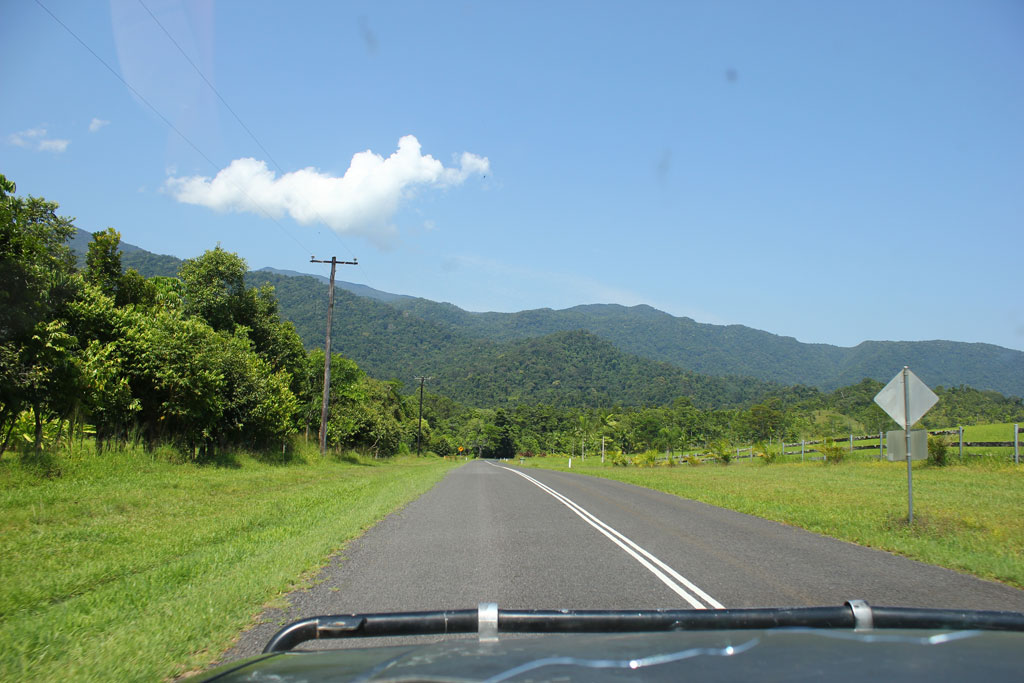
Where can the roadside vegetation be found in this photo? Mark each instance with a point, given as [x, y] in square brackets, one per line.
[199, 363]
[139, 566]
[966, 516]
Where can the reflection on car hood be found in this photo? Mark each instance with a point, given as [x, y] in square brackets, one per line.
[763, 655]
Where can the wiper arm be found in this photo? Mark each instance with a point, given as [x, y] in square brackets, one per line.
[854, 615]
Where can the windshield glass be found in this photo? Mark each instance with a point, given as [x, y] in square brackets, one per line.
[329, 308]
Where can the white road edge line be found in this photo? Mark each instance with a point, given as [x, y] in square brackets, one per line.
[676, 575]
[631, 548]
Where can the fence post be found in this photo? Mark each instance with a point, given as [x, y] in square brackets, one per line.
[881, 453]
[801, 450]
[961, 442]
[1016, 443]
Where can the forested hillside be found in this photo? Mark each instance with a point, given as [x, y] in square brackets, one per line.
[574, 368]
[398, 336]
[739, 350]
[145, 262]
[577, 369]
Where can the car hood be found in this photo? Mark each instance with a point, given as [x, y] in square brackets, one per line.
[766, 655]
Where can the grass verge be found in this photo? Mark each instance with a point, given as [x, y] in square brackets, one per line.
[123, 567]
[966, 518]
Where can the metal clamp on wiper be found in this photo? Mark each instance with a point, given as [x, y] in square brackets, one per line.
[487, 622]
[863, 617]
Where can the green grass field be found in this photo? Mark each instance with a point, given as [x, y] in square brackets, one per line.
[967, 518]
[128, 568]
[990, 432]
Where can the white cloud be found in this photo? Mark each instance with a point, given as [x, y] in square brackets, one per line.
[35, 138]
[362, 201]
[96, 124]
[26, 138]
[54, 145]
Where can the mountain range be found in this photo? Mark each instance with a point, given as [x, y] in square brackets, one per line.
[599, 353]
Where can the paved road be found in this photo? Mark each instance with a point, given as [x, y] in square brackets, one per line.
[524, 538]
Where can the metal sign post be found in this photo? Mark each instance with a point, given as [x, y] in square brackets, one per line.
[906, 399]
[906, 430]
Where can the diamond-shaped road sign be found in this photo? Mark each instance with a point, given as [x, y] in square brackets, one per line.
[906, 399]
[906, 407]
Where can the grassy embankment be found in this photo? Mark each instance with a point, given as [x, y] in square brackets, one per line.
[124, 567]
[966, 517]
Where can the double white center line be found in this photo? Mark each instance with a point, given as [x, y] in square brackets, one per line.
[670, 577]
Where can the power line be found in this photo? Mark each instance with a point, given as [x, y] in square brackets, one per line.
[208, 83]
[233, 112]
[169, 124]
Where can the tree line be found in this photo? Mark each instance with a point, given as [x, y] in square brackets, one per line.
[789, 414]
[199, 361]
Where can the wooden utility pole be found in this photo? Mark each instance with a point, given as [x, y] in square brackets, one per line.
[419, 435]
[325, 406]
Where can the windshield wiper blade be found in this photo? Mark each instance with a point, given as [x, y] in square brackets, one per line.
[854, 615]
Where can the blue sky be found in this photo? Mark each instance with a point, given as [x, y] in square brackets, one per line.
[835, 172]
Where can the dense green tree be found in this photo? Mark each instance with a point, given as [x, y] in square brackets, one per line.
[474, 434]
[501, 436]
[33, 260]
[51, 374]
[107, 392]
[175, 369]
[35, 270]
[259, 405]
[133, 289]
[214, 288]
[442, 445]
[273, 338]
[765, 421]
[103, 261]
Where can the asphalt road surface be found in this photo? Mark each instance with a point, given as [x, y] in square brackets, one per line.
[536, 539]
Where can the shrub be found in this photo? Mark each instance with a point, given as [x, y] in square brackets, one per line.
[833, 452]
[442, 446]
[938, 451]
[692, 460]
[619, 460]
[723, 451]
[767, 453]
[645, 459]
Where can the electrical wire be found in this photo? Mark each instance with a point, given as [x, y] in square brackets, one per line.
[170, 124]
[233, 113]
